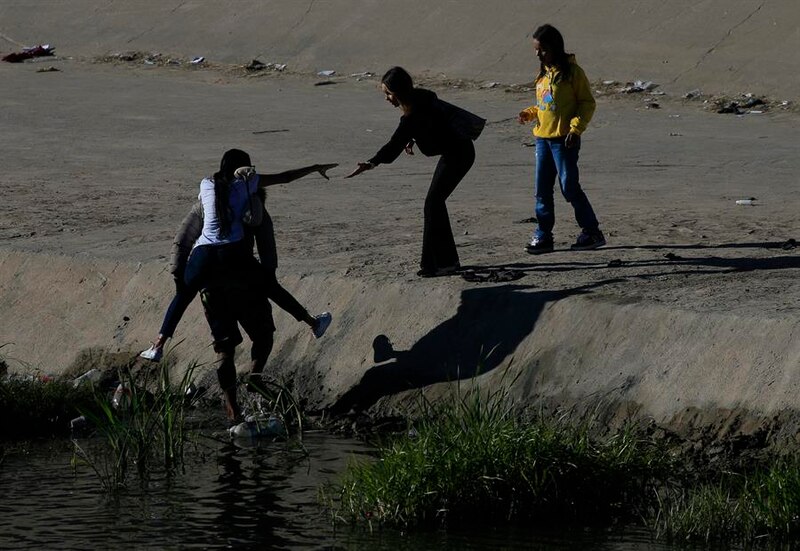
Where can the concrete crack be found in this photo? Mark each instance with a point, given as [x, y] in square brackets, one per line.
[720, 41]
[303, 17]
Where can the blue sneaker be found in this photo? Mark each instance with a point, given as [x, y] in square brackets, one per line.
[539, 245]
[323, 321]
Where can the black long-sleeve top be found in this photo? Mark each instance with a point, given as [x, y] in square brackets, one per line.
[426, 125]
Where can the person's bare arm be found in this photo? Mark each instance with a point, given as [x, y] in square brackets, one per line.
[265, 180]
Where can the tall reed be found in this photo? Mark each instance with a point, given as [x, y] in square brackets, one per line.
[145, 431]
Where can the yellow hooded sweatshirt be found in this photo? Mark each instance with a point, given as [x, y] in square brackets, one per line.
[562, 105]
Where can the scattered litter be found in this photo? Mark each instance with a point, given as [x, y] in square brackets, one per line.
[279, 66]
[693, 93]
[639, 86]
[271, 131]
[49, 69]
[198, 60]
[531, 220]
[149, 62]
[492, 275]
[491, 85]
[616, 263]
[675, 134]
[672, 256]
[748, 201]
[122, 397]
[752, 101]
[755, 112]
[29, 53]
[735, 107]
[609, 82]
[78, 424]
[256, 65]
[789, 245]
[92, 376]
[325, 82]
[674, 116]
[364, 74]
[652, 105]
[326, 73]
[126, 56]
[528, 144]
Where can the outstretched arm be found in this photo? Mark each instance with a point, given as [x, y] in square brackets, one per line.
[265, 180]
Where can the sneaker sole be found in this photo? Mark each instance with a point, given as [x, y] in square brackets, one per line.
[588, 247]
[538, 251]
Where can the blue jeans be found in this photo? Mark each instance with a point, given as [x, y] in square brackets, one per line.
[554, 159]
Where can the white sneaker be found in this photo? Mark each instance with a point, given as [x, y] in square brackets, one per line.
[153, 354]
[323, 321]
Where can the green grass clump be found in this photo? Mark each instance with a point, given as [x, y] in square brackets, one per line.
[761, 505]
[34, 407]
[472, 458]
[146, 432]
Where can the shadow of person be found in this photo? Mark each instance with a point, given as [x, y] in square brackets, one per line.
[488, 326]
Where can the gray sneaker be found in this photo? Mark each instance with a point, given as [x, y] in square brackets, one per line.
[323, 321]
[588, 241]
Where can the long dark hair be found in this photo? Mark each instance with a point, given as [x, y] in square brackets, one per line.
[231, 160]
[399, 83]
[551, 38]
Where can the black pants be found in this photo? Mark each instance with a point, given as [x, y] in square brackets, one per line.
[438, 245]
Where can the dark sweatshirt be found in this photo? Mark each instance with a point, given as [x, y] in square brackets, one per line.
[426, 125]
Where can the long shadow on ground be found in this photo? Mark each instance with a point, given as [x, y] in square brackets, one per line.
[487, 327]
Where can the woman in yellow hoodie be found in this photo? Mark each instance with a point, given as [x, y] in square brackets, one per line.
[564, 107]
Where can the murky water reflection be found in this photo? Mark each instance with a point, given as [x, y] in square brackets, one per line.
[264, 497]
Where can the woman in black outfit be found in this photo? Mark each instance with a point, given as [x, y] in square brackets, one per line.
[426, 120]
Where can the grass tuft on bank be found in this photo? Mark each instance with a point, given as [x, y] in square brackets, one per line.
[34, 407]
[472, 458]
[762, 505]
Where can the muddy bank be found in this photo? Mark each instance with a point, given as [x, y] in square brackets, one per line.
[561, 348]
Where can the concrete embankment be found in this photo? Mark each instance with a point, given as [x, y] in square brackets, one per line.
[718, 46]
[567, 346]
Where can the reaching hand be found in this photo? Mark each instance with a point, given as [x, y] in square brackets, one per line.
[361, 168]
[322, 169]
[244, 173]
[410, 148]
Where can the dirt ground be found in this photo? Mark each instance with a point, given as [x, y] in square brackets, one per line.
[693, 304]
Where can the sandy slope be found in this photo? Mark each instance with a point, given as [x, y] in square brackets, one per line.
[694, 303]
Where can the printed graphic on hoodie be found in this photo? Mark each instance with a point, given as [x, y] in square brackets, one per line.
[544, 96]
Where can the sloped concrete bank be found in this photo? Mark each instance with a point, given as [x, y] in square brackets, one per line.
[568, 346]
[716, 45]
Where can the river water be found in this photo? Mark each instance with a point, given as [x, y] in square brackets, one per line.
[231, 496]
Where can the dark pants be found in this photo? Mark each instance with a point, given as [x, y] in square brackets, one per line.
[438, 245]
[209, 264]
[225, 308]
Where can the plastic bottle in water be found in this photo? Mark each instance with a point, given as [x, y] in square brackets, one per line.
[122, 397]
[749, 201]
[92, 376]
[258, 426]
